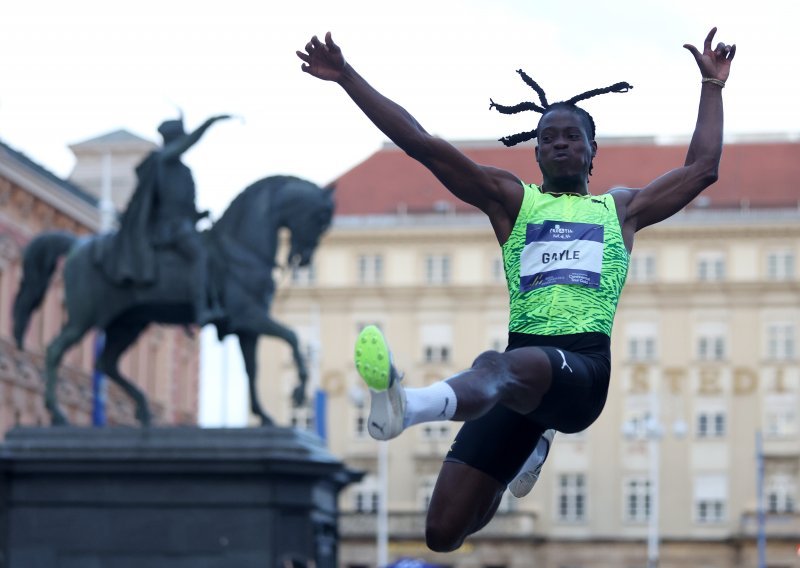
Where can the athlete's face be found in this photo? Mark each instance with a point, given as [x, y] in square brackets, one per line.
[564, 150]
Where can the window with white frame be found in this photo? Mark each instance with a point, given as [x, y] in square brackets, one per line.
[498, 270]
[642, 348]
[360, 415]
[780, 415]
[711, 348]
[710, 498]
[437, 353]
[637, 499]
[780, 265]
[711, 342]
[571, 497]
[637, 416]
[303, 275]
[642, 341]
[302, 418]
[366, 497]
[642, 267]
[710, 266]
[710, 424]
[498, 337]
[370, 269]
[425, 491]
[780, 341]
[435, 430]
[781, 492]
[436, 342]
[437, 269]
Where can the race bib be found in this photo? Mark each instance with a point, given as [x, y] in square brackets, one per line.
[559, 252]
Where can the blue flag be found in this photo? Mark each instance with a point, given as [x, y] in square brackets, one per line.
[320, 414]
[98, 385]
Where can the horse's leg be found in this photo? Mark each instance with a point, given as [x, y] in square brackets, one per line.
[70, 334]
[248, 343]
[118, 339]
[261, 324]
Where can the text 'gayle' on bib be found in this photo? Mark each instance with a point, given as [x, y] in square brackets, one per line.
[560, 252]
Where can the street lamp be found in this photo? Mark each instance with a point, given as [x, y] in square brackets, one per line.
[651, 430]
[358, 399]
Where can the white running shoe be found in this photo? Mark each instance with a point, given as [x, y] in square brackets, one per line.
[522, 484]
[387, 397]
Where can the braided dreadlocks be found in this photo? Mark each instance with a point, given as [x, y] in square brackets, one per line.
[546, 107]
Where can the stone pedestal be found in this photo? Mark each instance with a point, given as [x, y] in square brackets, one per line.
[167, 498]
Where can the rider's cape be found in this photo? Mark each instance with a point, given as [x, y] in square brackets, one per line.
[128, 257]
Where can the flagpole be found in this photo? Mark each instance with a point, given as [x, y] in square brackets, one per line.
[107, 212]
[762, 539]
[382, 532]
[314, 364]
[653, 433]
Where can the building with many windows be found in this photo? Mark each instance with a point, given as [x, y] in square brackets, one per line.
[705, 360]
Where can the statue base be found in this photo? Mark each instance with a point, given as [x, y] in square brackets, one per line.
[168, 498]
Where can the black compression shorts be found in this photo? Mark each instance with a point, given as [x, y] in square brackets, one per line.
[499, 442]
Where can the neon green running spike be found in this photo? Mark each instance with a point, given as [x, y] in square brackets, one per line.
[373, 360]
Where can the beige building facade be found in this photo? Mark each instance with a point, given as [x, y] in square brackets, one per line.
[705, 360]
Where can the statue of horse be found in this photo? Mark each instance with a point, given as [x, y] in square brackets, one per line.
[242, 247]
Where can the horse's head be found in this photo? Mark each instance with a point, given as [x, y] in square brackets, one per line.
[307, 215]
[279, 202]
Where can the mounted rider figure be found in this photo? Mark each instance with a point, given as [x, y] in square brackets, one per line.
[162, 214]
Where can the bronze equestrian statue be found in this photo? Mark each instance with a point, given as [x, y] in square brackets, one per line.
[158, 268]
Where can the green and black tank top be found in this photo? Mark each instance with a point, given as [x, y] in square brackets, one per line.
[565, 264]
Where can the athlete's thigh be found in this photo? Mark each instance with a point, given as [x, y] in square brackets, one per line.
[577, 392]
[463, 500]
[497, 443]
[485, 456]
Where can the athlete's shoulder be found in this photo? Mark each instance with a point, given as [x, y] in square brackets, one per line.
[622, 194]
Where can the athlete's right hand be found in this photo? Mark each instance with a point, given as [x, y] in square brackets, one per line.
[322, 60]
[713, 62]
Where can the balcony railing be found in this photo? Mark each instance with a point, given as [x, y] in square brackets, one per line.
[775, 525]
[781, 446]
[412, 525]
[24, 370]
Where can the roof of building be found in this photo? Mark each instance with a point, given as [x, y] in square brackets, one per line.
[118, 138]
[759, 172]
[38, 169]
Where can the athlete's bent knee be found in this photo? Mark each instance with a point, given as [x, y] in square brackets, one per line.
[493, 362]
[442, 539]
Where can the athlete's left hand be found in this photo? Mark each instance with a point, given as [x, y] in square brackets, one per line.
[713, 63]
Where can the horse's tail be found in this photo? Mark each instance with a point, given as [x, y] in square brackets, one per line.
[39, 261]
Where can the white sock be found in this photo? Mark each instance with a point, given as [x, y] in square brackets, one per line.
[429, 404]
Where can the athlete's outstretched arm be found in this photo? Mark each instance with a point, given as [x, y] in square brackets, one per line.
[674, 190]
[496, 192]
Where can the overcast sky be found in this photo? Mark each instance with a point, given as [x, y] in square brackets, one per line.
[70, 71]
